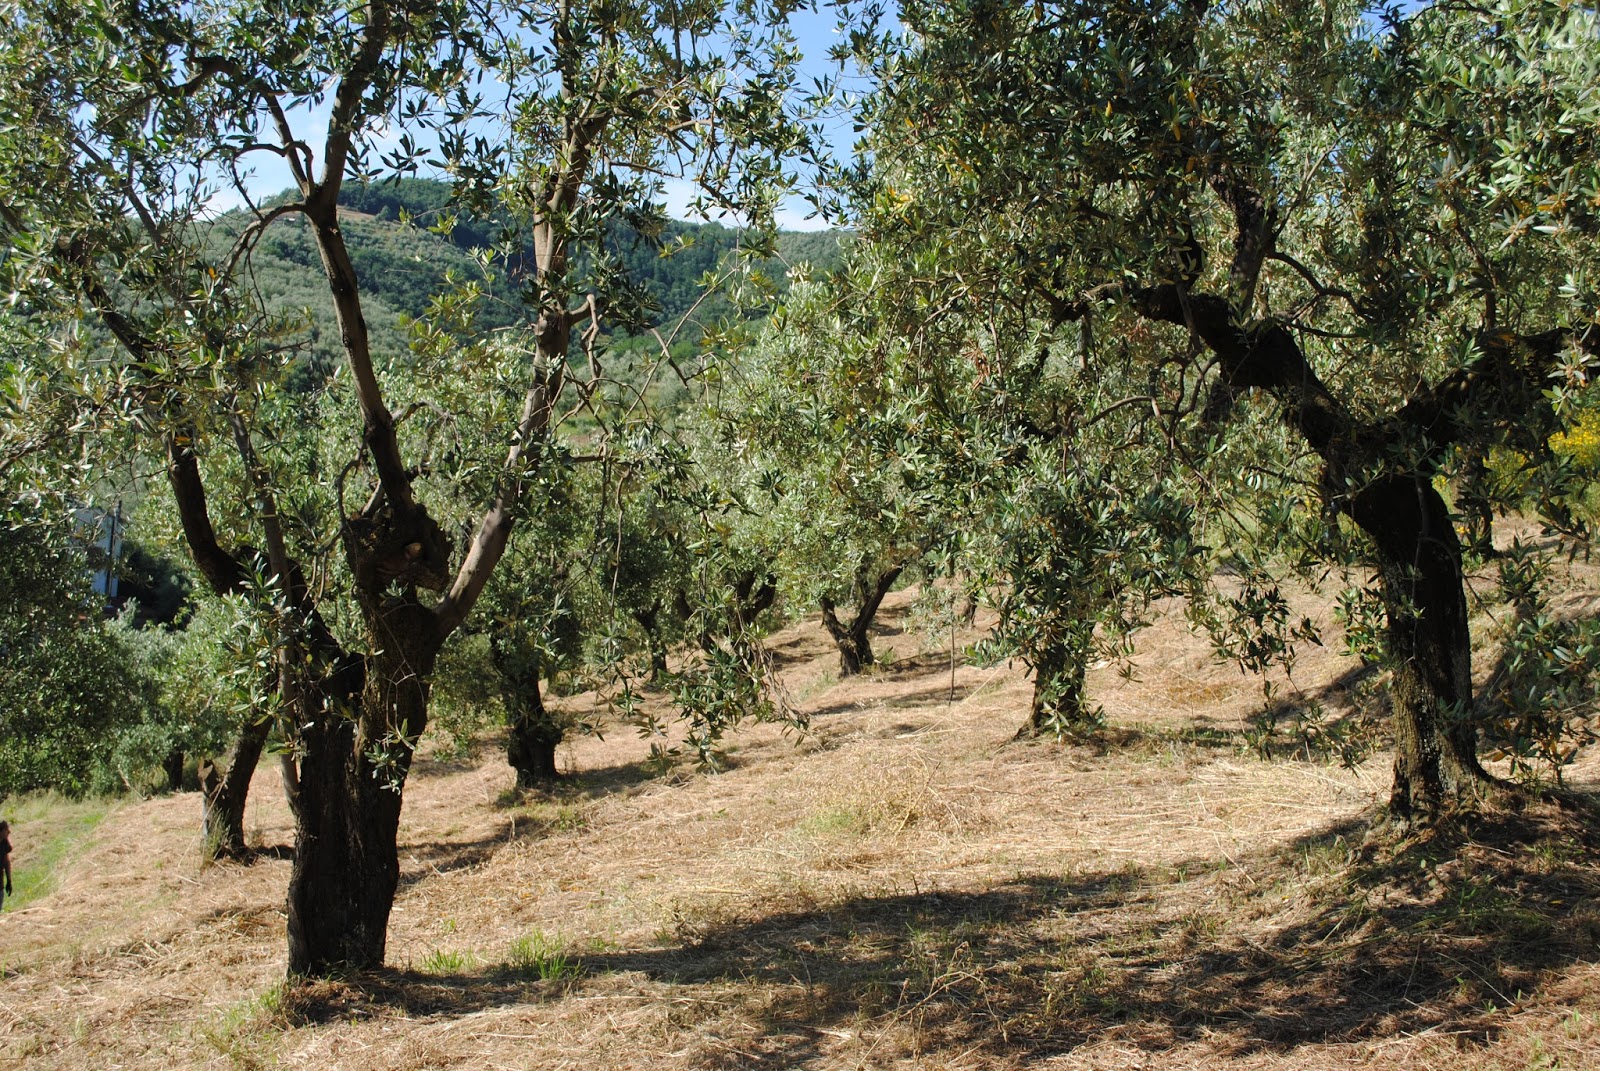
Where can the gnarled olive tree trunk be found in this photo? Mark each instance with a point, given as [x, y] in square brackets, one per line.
[531, 748]
[352, 770]
[534, 734]
[1419, 569]
[1393, 501]
[854, 639]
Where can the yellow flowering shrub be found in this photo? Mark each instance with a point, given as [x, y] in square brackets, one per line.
[1581, 442]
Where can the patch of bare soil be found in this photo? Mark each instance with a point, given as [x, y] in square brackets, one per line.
[906, 887]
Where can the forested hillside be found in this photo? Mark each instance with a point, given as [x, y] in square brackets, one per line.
[405, 265]
[672, 263]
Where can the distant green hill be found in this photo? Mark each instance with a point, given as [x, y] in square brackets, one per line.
[402, 265]
[401, 268]
[673, 279]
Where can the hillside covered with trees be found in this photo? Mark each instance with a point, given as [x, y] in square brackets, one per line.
[405, 258]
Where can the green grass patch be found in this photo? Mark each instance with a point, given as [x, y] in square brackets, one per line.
[442, 961]
[247, 1031]
[538, 956]
[835, 821]
[543, 818]
[47, 833]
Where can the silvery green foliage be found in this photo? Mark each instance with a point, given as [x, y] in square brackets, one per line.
[1340, 253]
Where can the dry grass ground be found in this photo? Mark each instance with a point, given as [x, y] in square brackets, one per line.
[905, 888]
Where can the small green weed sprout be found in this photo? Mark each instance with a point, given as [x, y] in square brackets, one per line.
[440, 961]
[535, 956]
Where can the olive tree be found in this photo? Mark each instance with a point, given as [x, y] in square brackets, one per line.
[120, 125]
[822, 426]
[1376, 223]
[910, 411]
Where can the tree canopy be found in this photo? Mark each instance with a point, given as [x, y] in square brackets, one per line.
[1376, 223]
[563, 119]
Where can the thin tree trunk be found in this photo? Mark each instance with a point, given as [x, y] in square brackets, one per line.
[289, 773]
[224, 789]
[1475, 504]
[754, 594]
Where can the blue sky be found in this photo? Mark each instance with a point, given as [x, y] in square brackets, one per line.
[816, 33]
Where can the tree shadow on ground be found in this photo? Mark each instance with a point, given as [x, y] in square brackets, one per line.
[1335, 719]
[1110, 739]
[1318, 941]
[592, 784]
[435, 766]
[433, 858]
[922, 698]
[602, 781]
[530, 814]
[920, 664]
[799, 649]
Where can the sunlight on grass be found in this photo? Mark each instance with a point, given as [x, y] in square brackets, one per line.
[440, 961]
[47, 832]
[538, 956]
[247, 1031]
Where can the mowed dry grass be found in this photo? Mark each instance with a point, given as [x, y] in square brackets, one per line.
[905, 887]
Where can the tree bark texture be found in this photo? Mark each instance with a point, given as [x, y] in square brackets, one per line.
[289, 774]
[855, 645]
[534, 733]
[1059, 697]
[531, 750]
[1476, 508]
[1419, 566]
[224, 789]
[352, 770]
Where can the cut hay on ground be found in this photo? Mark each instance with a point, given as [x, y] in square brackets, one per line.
[905, 888]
